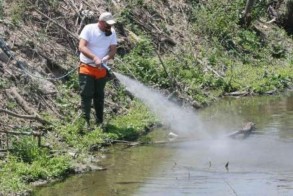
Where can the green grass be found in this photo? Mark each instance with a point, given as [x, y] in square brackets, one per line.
[27, 163]
[132, 125]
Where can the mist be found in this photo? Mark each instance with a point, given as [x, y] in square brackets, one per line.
[183, 121]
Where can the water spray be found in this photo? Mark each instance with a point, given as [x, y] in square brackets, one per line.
[181, 121]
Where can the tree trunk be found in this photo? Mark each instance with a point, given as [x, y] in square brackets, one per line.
[246, 18]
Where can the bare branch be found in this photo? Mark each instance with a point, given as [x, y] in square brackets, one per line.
[30, 117]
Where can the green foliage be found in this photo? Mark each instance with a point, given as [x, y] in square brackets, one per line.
[18, 9]
[77, 136]
[126, 17]
[259, 9]
[10, 182]
[142, 63]
[278, 50]
[27, 163]
[11, 105]
[4, 83]
[66, 102]
[217, 18]
[131, 125]
[72, 83]
[248, 41]
[272, 82]
[43, 168]
[27, 149]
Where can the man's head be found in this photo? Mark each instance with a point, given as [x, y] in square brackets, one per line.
[106, 20]
[107, 17]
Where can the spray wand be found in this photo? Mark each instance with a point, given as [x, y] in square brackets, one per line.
[110, 74]
[104, 64]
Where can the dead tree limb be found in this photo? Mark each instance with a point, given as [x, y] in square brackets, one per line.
[245, 131]
[34, 133]
[13, 92]
[30, 117]
[33, 114]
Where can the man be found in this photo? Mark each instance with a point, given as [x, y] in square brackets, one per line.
[97, 45]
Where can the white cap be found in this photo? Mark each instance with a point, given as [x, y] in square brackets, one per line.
[107, 17]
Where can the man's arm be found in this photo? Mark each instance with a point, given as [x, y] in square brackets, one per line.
[82, 47]
[111, 54]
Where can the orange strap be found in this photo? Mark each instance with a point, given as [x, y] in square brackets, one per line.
[97, 72]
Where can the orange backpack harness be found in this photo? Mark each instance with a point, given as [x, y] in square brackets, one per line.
[97, 72]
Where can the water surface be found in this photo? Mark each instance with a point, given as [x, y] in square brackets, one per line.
[262, 164]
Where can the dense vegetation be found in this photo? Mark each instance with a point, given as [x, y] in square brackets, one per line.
[196, 51]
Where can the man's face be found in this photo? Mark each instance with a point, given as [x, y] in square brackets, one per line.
[106, 27]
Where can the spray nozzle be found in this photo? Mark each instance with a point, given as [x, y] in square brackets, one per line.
[106, 67]
[110, 74]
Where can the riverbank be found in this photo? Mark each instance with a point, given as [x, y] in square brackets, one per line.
[68, 151]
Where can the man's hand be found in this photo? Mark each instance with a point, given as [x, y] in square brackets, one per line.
[105, 59]
[97, 60]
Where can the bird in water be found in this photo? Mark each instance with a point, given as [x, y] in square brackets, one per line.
[227, 166]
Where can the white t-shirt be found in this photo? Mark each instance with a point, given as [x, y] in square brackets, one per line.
[98, 42]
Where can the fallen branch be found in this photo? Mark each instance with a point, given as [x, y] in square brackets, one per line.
[168, 141]
[34, 133]
[245, 131]
[13, 92]
[237, 93]
[33, 114]
[271, 21]
[30, 117]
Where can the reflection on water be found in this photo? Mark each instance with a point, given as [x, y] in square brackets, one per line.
[273, 115]
[260, 165]
[257, 166]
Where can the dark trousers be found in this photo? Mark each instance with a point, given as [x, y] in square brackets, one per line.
[92, 89]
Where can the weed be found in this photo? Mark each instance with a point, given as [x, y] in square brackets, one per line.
[27, 149]
[18, 9]
[3, 83]
[11, 105]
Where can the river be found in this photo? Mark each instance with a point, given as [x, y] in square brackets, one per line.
[262, 164]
